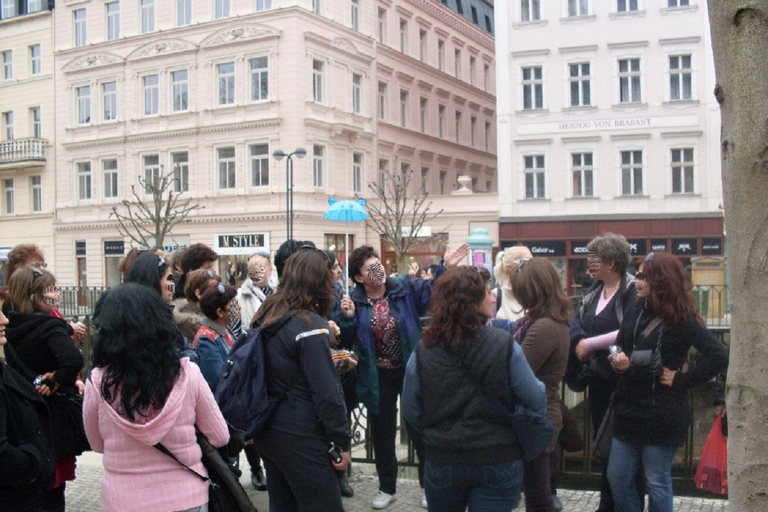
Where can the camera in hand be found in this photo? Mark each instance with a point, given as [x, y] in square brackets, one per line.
[335, 453]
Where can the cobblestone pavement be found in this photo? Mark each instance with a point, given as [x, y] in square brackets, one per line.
[84, 494]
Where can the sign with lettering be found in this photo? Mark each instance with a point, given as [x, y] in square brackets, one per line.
[579, 248]
[584, 126]
[80, 250]
[636, 246]
[712, 246]
[172, 243]
[545, 247]
[114, 247]
[658, 245]
[241, 243]
[684, 246]
[4, 253]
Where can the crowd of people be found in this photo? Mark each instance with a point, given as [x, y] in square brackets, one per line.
[162, 338]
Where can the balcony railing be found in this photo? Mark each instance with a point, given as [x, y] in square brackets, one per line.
[22, 152]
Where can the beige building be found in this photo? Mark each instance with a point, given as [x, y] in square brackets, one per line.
[211, 89]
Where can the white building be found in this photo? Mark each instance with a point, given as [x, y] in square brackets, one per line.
[607, 122]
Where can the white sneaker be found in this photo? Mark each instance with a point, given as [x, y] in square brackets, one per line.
[382, 500]
[424, 501]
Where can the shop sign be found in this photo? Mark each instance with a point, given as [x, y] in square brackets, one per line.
[80, 249]
[658, 245]
[546, 248]
[684, 246]
[4, 253]
[241, 243]
[171, 243]
[712, 246]
[114, 247]
[579, 248]
[636, 246]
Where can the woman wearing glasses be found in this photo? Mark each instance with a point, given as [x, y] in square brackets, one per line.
[307, 437]
[214, 339]
[652, 414]
[256, 288]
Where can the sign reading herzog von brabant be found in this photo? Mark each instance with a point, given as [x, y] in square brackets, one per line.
[624, 123]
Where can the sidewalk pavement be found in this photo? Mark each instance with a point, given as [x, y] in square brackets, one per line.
[84, 494]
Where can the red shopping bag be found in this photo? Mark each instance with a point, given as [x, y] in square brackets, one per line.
[712, 471]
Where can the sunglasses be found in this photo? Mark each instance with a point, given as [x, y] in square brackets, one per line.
[39, 265]
[37, 272]
[649, 257]
[260, 253]
[521, 263]
[640, 276]
[310, 248]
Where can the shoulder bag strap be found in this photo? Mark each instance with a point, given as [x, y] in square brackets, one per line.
[163, 449]
[21, 365]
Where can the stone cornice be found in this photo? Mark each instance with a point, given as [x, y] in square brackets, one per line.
[261, 123]
[91, 61]
[245, 33]
[457, 22]
[338, 44]
[161, 48]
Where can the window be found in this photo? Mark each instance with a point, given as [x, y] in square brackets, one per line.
[530, 10]
[383, 169]
[318, 153]
[382, 100]
[631, 173]
[259, 78]
[472, 130]
[357, 84]
[382, 26]
[34, 6]
[422, 45]
[180, 90]
[259, 165]
[424, 178]
[109, 100]
[472, 66]
[316, 6]
[226, 76]
[457, 126]
[423, 114]
[151, 173]
[221, 9]
[226, 160]
[403, 35]
[441, 121]
[475, 19]
[110, 178]
[682, 171]
[354, 15]
[180, 162]
[10, 200]
[183, 13]
[680, 77]
[459, 6]
[84, 180]
[580, 81]
[534, 176]
[147, 16]
[403, 108]
[36, 188]
[486, 76]
[578, 7]
[35, 60]
[9, 9]
[440, 54]
[37, 122]
[8, 123]
[8, 65]
[150, 84]
[317, 81]
[113, 20]
[83, 104]
[582, 172]
[487, 135]
[629, 81]
[81, 28]
[357, 172]
[626, 5]
[457, 63]
[533, 88]
[677, 3]
[263, 5]
[441, 184]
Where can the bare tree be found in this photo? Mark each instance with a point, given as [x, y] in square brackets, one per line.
[401, 211]
[151, 216]
[740, 41]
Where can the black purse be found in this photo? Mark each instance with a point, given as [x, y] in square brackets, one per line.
[648, 360]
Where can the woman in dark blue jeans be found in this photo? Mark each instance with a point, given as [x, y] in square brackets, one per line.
[473, 458]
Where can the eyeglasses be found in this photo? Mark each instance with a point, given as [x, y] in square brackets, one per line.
[640, 276]
[160, 261]
[39, 265]
[310, 248]
[37, 272]
[648, 257]
[142, 248]
[263, 254]
[520, 263]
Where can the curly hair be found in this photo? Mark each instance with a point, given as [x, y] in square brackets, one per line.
[137, 345]
[26, 287]
[197, 281]
[213, 300]
[195, 255]
[671, 294]
[453, 313]
[358, 258]
[21, 256]
[147, 270]
[536, 286]
[612, 249]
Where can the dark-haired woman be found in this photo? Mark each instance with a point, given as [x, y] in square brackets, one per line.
[140, 393]
[652, 413]
[186, 311]
[214, 339]
[461, 372]
[41, 344]
[311, 422]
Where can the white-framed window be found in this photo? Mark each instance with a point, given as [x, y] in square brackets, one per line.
[35, 60]
[180, 90]
[487, 135]
[109, 100]
[180, 163]
[34, 6]
[457, 63]
[578, 7]
[8, 124]
[441, 121]
[113, 20]
[9, 9]
[83, 180]
[147, 16]
[151, 90]
[383, 169]
[629, 81]
[626, 5]
[472, 130]
[10, 198]
[316, 6]
[582, 172]
[422, 45]
[80, 27]
[533, 87]
[259, 78]
[457, 126]
[109, 168]
[403, 36]
[403, 108]
[8, 65]
[534, 176]
[424, 178]
[225, 74]
[83, 95]
[580, 82]
[382, 100]
[36, 120]
[423, 102]
[183, 13]
[317, 80]
[682, 171]
[678, 3]
[357, 92]
[632, 172]
[486, 76]
[36, 191]
[226, 164]
[440, 54]
[357, 173]
[263, 5]
[318, 156]
[680, 77]
[472, 69]
[151, 172]
[221, 9]
[259, 165]
[381, 26]
[530, 10]
[354, 14]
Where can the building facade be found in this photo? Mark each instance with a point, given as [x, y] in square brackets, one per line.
[607, 122]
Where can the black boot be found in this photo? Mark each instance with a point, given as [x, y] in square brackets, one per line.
[258, 480]
[344, 487]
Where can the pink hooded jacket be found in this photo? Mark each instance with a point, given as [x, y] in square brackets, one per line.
[137, 476]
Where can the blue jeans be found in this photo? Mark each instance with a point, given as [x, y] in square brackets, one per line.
[623, 465]
[481, 488]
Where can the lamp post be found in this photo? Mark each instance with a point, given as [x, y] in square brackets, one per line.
[278, 155]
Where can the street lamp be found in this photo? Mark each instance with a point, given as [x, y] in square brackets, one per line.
[278, 155]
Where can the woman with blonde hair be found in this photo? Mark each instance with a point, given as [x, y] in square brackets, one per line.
[507, 261]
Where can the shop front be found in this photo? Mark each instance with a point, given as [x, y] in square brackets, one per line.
[234, 250]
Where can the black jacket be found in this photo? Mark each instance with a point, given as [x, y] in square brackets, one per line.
[26, 457]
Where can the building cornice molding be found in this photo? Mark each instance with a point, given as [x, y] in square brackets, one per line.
[338, 44]
[631, 136]
[456, 21]
[531, 142]
[586, 138]
[241, 34]
[672, 135]
[575, 49]
[160, 48]
[627, 44]
[261, 123]
[613, 216]
[680, 40]
[531, 53]
[93, 60]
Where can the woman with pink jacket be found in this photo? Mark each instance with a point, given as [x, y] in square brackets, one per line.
[139, 394]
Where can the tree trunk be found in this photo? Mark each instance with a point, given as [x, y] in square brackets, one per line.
[740, 42]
